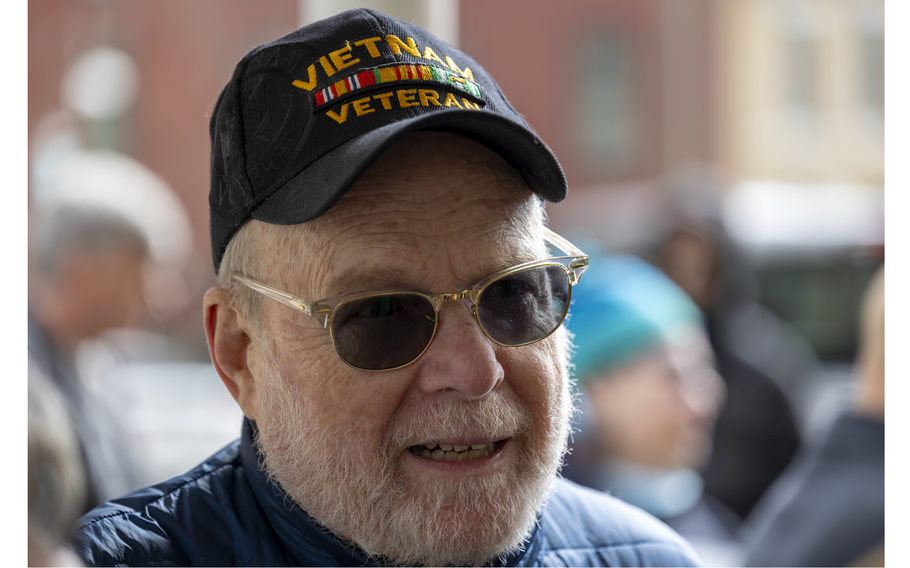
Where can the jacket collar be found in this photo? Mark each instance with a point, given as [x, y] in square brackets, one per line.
[305, 540]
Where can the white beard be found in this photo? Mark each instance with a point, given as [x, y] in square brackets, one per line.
[363, 495]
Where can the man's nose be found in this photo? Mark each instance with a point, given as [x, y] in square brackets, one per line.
[461, 358]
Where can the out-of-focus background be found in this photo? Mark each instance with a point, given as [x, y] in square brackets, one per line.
[752, 128]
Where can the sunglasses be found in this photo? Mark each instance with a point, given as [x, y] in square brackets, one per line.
[390, 329]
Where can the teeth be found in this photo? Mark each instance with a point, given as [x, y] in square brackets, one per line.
[453, 452]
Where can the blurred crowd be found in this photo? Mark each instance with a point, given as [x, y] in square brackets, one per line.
[89, 333]
[697, 405]
[674, 422]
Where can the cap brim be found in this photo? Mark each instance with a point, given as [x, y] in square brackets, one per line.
[316, 189]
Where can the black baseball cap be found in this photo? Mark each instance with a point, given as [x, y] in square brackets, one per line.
[303, 116]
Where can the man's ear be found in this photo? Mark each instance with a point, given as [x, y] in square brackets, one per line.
[228, 340]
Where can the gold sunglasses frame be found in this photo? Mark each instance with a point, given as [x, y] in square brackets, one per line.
[575, 263]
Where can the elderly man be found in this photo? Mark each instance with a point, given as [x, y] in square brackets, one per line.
[388, 319]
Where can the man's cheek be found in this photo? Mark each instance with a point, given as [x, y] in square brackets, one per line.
[536, 367]
[532, 372]
[358, 404]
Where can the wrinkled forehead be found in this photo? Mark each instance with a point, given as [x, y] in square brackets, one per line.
[434, 204]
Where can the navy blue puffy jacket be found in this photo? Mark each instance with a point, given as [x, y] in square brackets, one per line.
[225, 512]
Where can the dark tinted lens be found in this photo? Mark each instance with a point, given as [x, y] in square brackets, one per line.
[526, 306]
[383, 332]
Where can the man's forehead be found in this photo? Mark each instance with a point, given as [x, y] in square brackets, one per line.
[316, 261]
[425, 192]
[419, 275]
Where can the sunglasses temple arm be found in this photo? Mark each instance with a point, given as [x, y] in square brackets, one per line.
[277, 295]
[577, 266]
[562, 243]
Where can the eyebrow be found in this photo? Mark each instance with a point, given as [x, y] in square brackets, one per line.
[352, 280]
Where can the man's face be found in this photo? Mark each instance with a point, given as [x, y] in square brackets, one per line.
[436, 213]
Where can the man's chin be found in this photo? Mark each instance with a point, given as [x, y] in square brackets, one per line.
[456, 525]
[461, 520]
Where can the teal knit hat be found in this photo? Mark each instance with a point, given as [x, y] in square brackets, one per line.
[623, 307]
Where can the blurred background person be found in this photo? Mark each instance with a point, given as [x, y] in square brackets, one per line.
[649, 397]
[85, 277]
[762, 360]
[828, 509]
[56, 475]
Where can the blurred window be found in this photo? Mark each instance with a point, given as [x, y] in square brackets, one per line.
[820, 298]
[871, 39]
[604, 120]
[801, 65]
[801, 62]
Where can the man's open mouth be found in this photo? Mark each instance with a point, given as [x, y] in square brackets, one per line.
[453, 452]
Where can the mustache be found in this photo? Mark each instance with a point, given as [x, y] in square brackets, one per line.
[493, 417]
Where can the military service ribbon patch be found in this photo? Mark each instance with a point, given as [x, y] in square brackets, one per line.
[395, 73]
